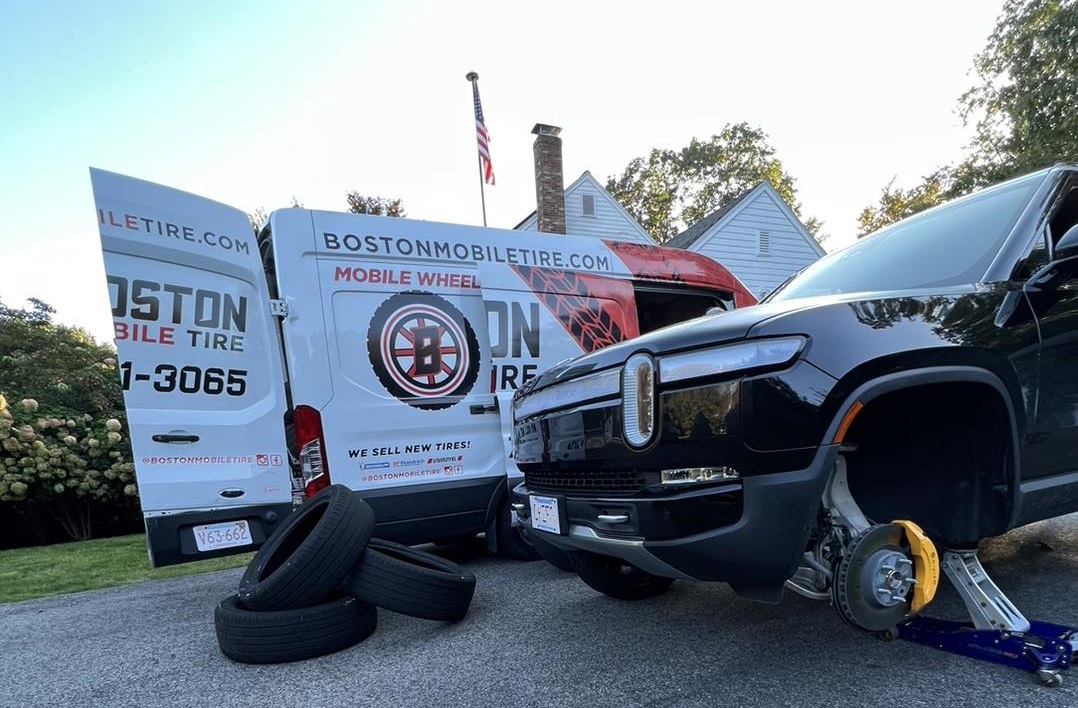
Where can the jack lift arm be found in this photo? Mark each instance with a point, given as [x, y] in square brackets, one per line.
[998, 631]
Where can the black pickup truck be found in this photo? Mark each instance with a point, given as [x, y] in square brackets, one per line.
[929, 372]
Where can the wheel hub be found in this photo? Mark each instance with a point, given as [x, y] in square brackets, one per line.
[874, 579]
[887, 578]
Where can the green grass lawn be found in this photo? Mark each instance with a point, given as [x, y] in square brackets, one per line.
[41, 571]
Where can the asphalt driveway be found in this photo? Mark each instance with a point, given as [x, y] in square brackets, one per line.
[535, 637]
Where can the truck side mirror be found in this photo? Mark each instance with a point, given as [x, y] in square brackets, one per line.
[1064, 263]
[1067, 246]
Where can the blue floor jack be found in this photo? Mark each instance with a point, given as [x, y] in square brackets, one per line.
[998, 632]
[886, 573]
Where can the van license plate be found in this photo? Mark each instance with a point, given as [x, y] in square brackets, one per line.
[545, 516]
[227, 534]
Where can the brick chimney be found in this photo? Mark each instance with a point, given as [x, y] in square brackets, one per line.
[549, 187]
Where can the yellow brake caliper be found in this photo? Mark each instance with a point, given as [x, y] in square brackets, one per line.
[926, 564]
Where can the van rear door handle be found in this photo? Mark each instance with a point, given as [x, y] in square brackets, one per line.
[175, 438]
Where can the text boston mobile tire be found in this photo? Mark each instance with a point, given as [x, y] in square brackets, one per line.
[256, 637]
[411, 582]
[308, 556]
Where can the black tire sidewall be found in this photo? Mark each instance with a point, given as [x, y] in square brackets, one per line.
[409, 581]
[279, 636]
[318, 562]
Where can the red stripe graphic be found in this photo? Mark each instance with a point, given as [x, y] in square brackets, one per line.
[680, 266]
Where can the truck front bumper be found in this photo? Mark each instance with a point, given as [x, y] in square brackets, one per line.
[755, 551]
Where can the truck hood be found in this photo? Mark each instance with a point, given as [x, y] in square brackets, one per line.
[702, 331]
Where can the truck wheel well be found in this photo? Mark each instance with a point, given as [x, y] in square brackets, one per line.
[939, 454]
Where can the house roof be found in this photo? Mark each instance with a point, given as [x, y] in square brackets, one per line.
[694, 233]
[588, 177]
[688, 237]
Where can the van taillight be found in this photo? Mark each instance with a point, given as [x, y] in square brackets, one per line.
[312, 447]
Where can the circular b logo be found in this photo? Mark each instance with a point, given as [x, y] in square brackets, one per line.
[423, 350]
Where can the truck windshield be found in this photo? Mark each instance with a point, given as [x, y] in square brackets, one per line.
[949, 245]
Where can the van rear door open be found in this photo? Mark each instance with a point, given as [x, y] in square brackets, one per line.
[200, 368]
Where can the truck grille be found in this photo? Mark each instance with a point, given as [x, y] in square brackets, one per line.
[588, 482]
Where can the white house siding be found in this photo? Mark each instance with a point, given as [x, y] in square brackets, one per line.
[609, 222]
[735, 242]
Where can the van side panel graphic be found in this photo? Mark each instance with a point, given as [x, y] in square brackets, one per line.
[423, 350]
[596, 311]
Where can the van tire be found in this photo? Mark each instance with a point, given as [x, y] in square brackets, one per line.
[510, 541]
[278, 636]
[616, 578]
[412, 582]
[309, 554]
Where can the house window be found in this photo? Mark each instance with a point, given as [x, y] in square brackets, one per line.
[588, 204]
[765, 243]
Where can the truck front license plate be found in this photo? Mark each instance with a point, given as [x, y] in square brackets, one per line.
[545, 516]
[228, 534]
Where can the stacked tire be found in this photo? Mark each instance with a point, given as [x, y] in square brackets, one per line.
[314, 586]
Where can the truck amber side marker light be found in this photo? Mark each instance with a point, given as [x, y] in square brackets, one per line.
[847, 421]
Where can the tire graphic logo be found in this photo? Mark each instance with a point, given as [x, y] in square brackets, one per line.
[423, 350]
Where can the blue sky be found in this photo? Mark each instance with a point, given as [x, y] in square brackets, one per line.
[250, 103]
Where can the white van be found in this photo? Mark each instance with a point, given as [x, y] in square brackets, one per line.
[377, 353]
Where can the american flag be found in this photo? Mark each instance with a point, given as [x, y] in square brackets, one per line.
[482, 137]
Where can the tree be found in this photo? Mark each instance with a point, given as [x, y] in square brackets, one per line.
[258, 219]
[896, 204]
[260, 216]
[669, 190]
[1023, 110]
[379, 206]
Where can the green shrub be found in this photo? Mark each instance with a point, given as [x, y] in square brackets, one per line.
[63, 449]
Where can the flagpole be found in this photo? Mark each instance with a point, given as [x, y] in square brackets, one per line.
[473, 77]
[482, 191]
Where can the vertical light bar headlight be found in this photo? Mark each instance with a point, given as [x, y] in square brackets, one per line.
[638, 399]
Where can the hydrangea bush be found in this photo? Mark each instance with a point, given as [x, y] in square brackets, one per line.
[44, 457]
[64, 454]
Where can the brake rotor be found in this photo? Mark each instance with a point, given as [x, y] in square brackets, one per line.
[872, 588]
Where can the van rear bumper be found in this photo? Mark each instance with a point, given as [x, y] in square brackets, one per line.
[171, 538]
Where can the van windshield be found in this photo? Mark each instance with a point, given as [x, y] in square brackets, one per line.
[949, 245]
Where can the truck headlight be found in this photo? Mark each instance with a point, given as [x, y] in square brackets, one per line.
[715, 361]
[638, 399]
[570, 393]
